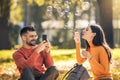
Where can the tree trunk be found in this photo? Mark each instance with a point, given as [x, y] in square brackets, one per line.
[97, 12]
[105, 7]
[4, 29]
[27, 14]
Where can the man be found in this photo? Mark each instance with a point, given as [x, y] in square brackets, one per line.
[34, 62]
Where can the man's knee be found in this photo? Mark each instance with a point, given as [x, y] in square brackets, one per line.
[27, 69]
[27, 74]
[51, 73]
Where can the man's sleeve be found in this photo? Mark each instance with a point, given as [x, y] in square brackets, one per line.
[22, 62]
[48, 60]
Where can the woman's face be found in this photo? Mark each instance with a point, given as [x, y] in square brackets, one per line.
[87, 34]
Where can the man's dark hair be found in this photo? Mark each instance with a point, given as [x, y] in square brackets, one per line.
[25, 29]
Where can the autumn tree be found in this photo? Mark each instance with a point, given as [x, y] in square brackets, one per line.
[34, 12]
[4, 24]
[106, 17]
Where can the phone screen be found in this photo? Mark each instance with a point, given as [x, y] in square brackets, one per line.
[44, 37]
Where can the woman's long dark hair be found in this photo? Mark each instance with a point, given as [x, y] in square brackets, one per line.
[99, 39]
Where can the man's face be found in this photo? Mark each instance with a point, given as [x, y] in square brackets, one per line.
[30, 38]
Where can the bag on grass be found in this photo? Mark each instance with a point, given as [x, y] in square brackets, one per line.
[78, 72]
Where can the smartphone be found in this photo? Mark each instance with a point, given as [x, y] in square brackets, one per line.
[44, 37]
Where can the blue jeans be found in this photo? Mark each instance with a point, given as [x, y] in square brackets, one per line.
[29, 74]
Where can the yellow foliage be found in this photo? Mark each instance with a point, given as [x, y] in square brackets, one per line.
[50, 2]
[29, 2]
[116, 10]
[15, 13]
[40, 2]
[73, 1]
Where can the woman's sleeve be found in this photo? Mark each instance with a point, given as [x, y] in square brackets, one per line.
[80, 60]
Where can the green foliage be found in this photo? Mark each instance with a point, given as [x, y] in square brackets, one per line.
[63, 39]
[13, 35]
[37, 16]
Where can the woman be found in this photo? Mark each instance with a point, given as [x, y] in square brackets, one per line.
[97, 52]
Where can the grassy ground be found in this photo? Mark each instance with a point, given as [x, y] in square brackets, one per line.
[64, 60]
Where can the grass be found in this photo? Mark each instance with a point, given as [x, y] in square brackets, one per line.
[116, 53]
[6, 53]
[63, 54]
[6, 56]
[7, 67]
[58, 54]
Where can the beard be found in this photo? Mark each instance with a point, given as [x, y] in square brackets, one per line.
[31, 43]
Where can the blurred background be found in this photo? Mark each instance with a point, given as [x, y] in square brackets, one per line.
[58, 19]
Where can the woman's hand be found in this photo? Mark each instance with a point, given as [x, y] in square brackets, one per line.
[77, 37]
[86, 54]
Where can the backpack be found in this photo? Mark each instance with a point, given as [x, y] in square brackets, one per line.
[78, 72]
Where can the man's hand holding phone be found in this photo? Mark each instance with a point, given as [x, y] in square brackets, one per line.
[47, 46]
[40, 47]
[44, 45]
